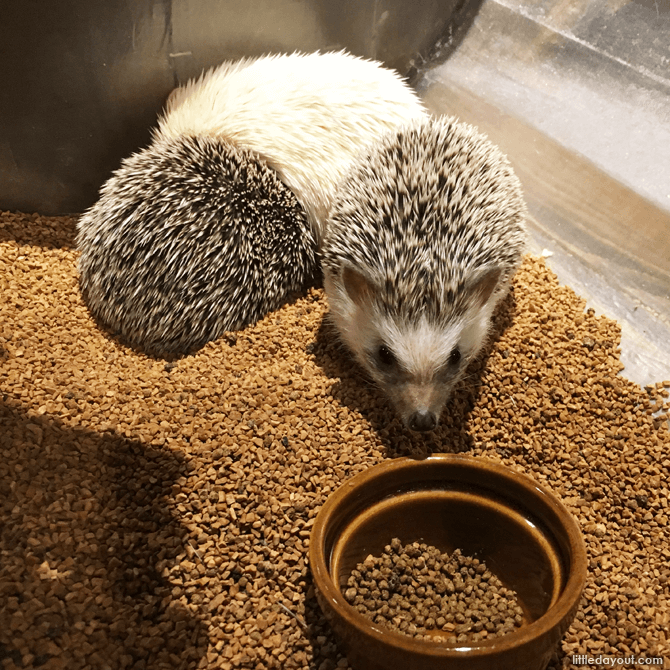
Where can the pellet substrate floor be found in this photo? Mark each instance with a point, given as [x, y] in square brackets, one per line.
[157, 514]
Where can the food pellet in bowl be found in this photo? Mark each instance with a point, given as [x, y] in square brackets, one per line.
[418, 590]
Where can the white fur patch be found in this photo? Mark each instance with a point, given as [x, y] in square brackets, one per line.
[421, 348]
[307, 115]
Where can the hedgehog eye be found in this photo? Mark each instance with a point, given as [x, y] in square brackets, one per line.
[385, 356]
[455, 357]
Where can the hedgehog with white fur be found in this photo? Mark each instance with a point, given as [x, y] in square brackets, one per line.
[422, 240]
[219, 220]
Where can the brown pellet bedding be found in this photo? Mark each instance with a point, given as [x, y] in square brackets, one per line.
[417, 590]
[157, 514]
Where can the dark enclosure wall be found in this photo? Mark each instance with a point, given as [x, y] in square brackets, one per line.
[84, 81]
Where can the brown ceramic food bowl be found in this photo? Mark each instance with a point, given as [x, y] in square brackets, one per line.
[518, 528]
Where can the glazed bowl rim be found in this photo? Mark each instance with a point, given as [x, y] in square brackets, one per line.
[561, 608]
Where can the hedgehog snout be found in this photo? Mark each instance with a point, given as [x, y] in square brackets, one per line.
[418, 405]
[422, 421]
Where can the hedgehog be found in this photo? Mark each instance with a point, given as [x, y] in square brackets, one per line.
[221, 217]
[190, 238]
[421, 242]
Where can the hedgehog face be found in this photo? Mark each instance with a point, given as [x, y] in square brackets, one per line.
[417, 363]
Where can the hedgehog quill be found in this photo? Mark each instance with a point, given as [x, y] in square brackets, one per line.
[422, 240]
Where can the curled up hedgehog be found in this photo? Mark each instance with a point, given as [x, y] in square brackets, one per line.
[423, 237]
[220, 219]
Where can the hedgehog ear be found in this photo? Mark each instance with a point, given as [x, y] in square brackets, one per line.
[358, 287]
[482, 284]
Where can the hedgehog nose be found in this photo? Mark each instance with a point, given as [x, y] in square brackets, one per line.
[422, 420]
